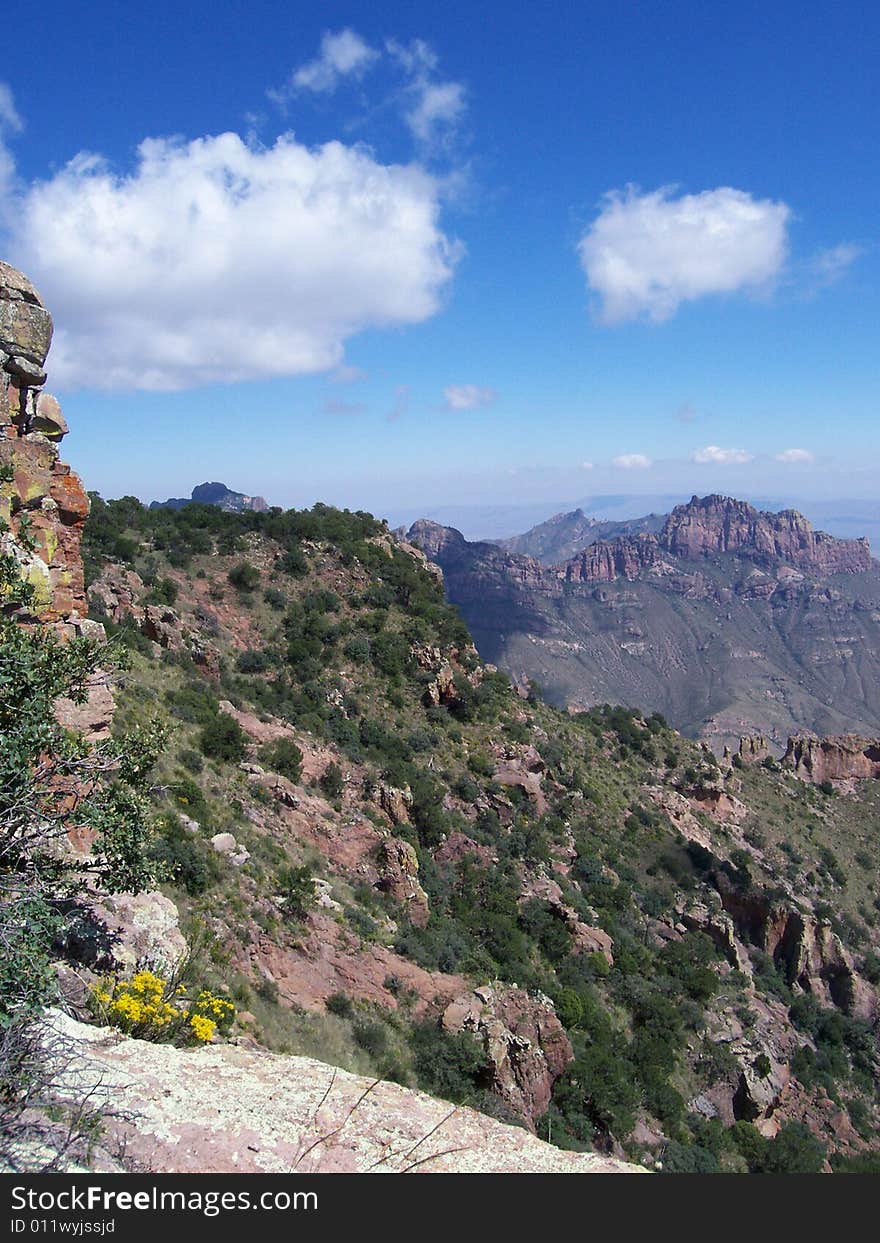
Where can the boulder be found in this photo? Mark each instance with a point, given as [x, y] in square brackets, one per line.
[525, 1044]
[120, 933]
[396, 803]
[25, 324]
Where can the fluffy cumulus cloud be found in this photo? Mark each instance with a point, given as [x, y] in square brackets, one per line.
[646, 254]
[716, 456]
[468, 396]
[217, 260]
[632, 461]
[795, 456]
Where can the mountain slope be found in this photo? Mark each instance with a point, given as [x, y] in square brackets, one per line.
[476, 854]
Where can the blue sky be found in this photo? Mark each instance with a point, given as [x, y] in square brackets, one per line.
[455, 253]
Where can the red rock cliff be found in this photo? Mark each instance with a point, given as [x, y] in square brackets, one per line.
[43, 504]
[716, 524]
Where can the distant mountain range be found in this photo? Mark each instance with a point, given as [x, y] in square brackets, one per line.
[842, 517]
[216, 494]
[565, 535]
[725, 618]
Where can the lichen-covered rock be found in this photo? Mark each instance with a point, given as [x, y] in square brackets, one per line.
[119, 933]
[229, 1109]
[25, 324]
[42, 501]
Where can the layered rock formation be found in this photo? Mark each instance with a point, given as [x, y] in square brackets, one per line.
[715, 524]
[605, 560]
[43, 504]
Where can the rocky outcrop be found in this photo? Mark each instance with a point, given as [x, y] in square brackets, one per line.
[398, 866]
[586, 939]
[232, 1109]
[42, 502]
[805, 948]
[753, 748]
[628, 556]
[709, 525]
[832, 759]
[522, 767]
[525, 1044]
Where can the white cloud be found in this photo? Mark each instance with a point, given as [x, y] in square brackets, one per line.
[438, 105]
[795, 455]
[829, 266]
[722, 457]
[586, 465]
[645, 254]
[9, 117]
[341, 55]
[10, 123]
[468, 396]
[632, 461]
[218, 261]
[430, 107]
[416, 58]
[433, 108]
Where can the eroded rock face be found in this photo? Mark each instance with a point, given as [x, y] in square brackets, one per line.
[41, 499]
[709, 525]
[833, 759]
[603, 562]
[809, 952]
[753, 748]
[525, 1043]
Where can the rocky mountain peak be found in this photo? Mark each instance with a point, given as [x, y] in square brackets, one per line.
[216, 494]
[709, 525]
[434, 539]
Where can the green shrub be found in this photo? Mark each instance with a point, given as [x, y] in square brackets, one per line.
[332, 782]
[284, 757]
[449, 1066]
[244, 576]
[223, 739]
